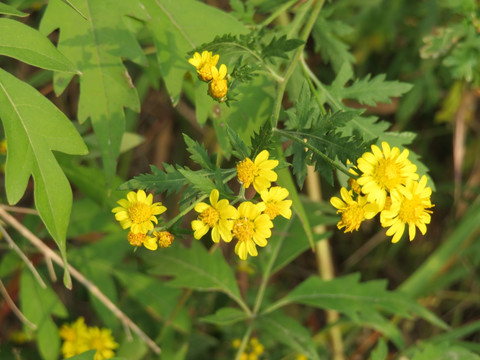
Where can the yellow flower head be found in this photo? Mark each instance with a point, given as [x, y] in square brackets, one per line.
[164, 238]
[138, 239]
[218, 87]
[259, 172]
[410, 206]
[103, 341]
[353, 212]
[3, 146]
[204, 64]
[275, 203]
[138, 211]
[251, 228]
[75, 338]
[384, 170]
[216, 216]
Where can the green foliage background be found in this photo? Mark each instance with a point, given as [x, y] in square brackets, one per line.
[97, 98]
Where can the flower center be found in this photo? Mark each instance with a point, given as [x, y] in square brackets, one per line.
[243, 229]
[218, 88]
[388, 174]
[271, 209]
[209, 217]
[352, 217]
[135, 239]
[246, 172]
[205, 72]
[411, 210]
[139, 212]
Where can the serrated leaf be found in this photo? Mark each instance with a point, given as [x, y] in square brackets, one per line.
[10, 10]
[175, 34]
[263, 140]
[463, 59]
[279, 47]
[97, 47]
[226, 316]
[195, 268]
[305, 111]
[288, 331]
[198, 153]
[199, 180]
[347, 295]
[368, 91]
[239, 149]
[34, 128]
[26, 44]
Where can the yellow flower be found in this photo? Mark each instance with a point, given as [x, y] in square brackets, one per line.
[353, 212]
[138, 239]
[204, 64]
[410, 206]
[101, 340]
[217, 216]
[138, 212]
[75, 337]
[259, 172]
[384, 170]
[251, 228]
[275, 203]
[218, 87]
[3, 146]
[164, 238]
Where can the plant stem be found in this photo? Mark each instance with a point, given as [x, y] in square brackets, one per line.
[332, 163]
[245, 339]
[291, 67]
[277, 12]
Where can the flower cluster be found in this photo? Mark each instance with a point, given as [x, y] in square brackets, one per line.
[251, 222]
[206, 65]
[388, 184]
[78, 337]
[253, 350]
[138, 213]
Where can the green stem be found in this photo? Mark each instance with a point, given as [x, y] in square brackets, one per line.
[245, 339]
[332, 163]
[312, 88]
[291, 67]
[277, 12]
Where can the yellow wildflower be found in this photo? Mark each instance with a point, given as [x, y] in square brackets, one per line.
[218, 87]
[138, 239]
[164, 238]
[75, 337]
[383, 171]
[353, 212]
[138, 212]
[275, 203]
[217, 216]
[251, 228]
[101, 340]
[259, 172]
[204, 64]
[410, 206]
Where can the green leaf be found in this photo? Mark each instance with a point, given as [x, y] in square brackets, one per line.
[199, 180]
[26, 44]
[38, 305]
[347, 295]
[34, 128]
[175, 34]
[226, 316]
[87, 355]
[380, 352]
[9, 10]
[195, 268]
[279, 47]
[367, 91]
[288, 331]
[239, 148]
[445, 351]
[97, 47]
[198, 153]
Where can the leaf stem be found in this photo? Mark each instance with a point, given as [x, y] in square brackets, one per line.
[245, 339]
[332, 163]
[278, 12]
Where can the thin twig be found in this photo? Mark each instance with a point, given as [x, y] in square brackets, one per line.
[20, 210]
[94, 290]
[14, 307]
[24, 257]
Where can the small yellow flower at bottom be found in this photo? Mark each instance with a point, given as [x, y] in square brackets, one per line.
[275, 203]
[138, 212]
[258, 172]
[353, 212]
[218, 87]
[251, 228]
[138, 239]
[74, 337]
[410, 206]
[101, 340]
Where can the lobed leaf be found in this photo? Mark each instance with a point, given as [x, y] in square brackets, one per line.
[280, 47]
[35, 128]
[198, 153]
